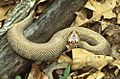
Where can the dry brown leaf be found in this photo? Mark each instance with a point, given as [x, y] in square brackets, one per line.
[81, 76]
[100, 9]
[82, 58]
[116, 63]
[89, 6]
[97, 75]
[80, 19]
[53, 66]
[117, 11]
[118, 18]
[104, 25]
[3, 11]
[4, 3]
[64, 58]
[116, 72]
[36, 73]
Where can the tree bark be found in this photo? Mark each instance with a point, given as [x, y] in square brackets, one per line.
[58, 16]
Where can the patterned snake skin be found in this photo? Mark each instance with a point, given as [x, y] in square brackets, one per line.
[89, 40]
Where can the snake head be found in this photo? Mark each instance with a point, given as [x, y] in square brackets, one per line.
[73, 39]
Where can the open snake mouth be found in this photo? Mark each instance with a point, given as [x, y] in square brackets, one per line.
[74, 38]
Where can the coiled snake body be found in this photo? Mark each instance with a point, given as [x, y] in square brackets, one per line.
[56, 45]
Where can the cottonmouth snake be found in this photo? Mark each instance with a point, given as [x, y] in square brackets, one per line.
[56, 45]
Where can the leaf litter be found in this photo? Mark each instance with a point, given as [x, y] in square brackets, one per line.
[80, 63]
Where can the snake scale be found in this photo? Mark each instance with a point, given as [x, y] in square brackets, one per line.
[56, 45]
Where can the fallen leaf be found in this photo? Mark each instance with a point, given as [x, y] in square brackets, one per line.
[36, 73]
[97, 75]
[104, 25]
[81, 18]
[4, 3]
[102, 9]
[118, 18]
[53, 66]
[116, 63]
[112, 33]
[117, 11]
[116, 72]
[83, 58]
[81, 75]
[97, 10]
[90, 75]
[90, 6]
[3, 11]
[64, 58]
